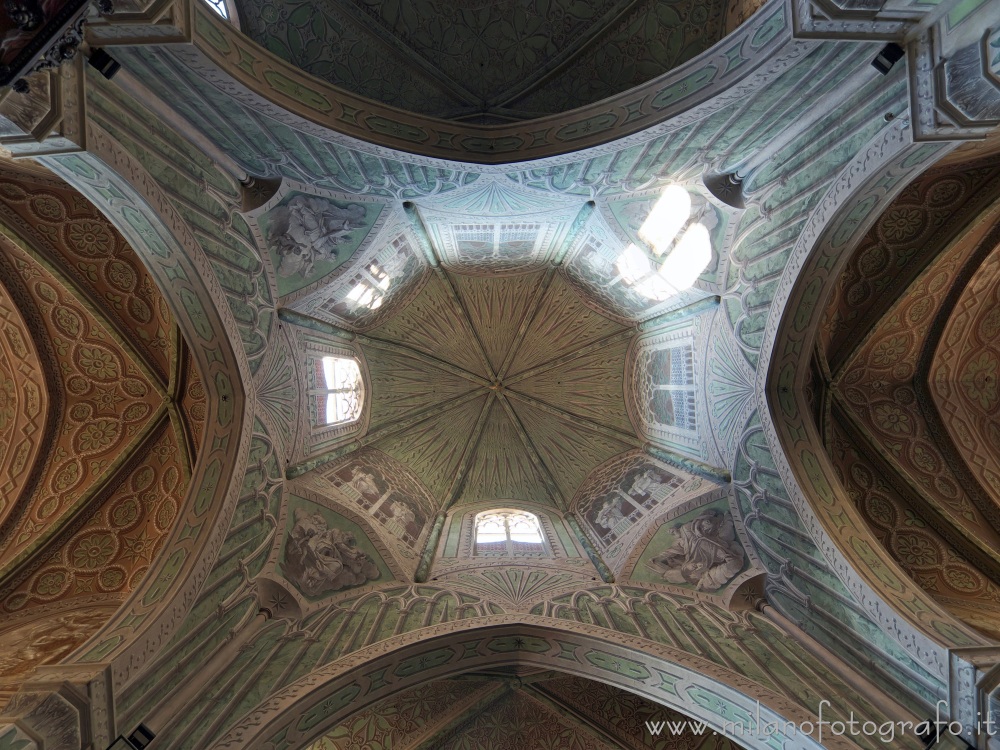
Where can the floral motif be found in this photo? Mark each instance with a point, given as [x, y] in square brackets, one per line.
[111, 579]
[51, 583]
[901, 223]
[94, 551]
[108, 398]
[888, 351]
[961, 579]
[980, 380]
[98, 363]
[924, 458]
[890, 417]
[90, 237]
[989, 327]
[125, 512]
[98, 435]
[916, 549]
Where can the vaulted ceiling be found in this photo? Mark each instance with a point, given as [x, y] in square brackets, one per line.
[911, 390]
[499, 362]
[513, 368]
[520, 709]
[485, 61]
[101, 413]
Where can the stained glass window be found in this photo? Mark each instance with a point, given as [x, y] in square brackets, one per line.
[508, 532]
[338, 394]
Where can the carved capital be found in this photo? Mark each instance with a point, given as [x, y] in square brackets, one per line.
[50, 117]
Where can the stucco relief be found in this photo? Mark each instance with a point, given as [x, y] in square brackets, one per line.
[311, 233]
[319, 559]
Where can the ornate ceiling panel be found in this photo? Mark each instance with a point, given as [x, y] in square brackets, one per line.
[126, 407]
[96, 259]
[567, 448]
[109, 403]
[497, 308]
[877, 387]
[433, 448]
[390, 493]
[550, 371]
[486, 61]
[104, 558]
[904, 239]
[591, 385]
[24, 403]
[963, 377]
[504, 464]
[562, 324]
[914, 542]
[514, 708]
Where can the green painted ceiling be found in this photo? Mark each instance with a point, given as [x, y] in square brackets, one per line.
[485, 61]
[520, 383]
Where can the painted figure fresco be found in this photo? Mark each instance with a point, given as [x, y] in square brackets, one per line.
[636, 491]
[394, 506]
[320, 560]
[308, 229]
[705, 552]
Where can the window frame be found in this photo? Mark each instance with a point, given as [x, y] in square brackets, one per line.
[322, 394]
[544, 548]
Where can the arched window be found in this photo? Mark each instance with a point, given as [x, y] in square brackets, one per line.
[338, 391]
[673, 252]
[508, 532]
[220, 7]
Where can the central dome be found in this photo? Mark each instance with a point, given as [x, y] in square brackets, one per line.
[491, 387]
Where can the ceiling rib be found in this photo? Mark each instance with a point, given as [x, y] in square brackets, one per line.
[583, 351]
[558, 706]
[410, 55]
[536, 457]
[52, 262]
[428, 359]
[522, 331]
[462, 474]
[611, 432]
[451, 724]
[566, 57]
[382, 433]
[465, 317]
[16, 569]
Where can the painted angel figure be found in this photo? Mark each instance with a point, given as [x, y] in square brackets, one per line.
[705, 553]
[308, 229]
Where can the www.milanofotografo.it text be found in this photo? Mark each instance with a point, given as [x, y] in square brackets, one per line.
[755, 725]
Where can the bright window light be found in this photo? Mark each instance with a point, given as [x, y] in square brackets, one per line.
[370, 290]
[507, 532]
[669, 213]
[340, 391]
[684, 264]
[633, 265]
[219, 6]
[668, 266]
